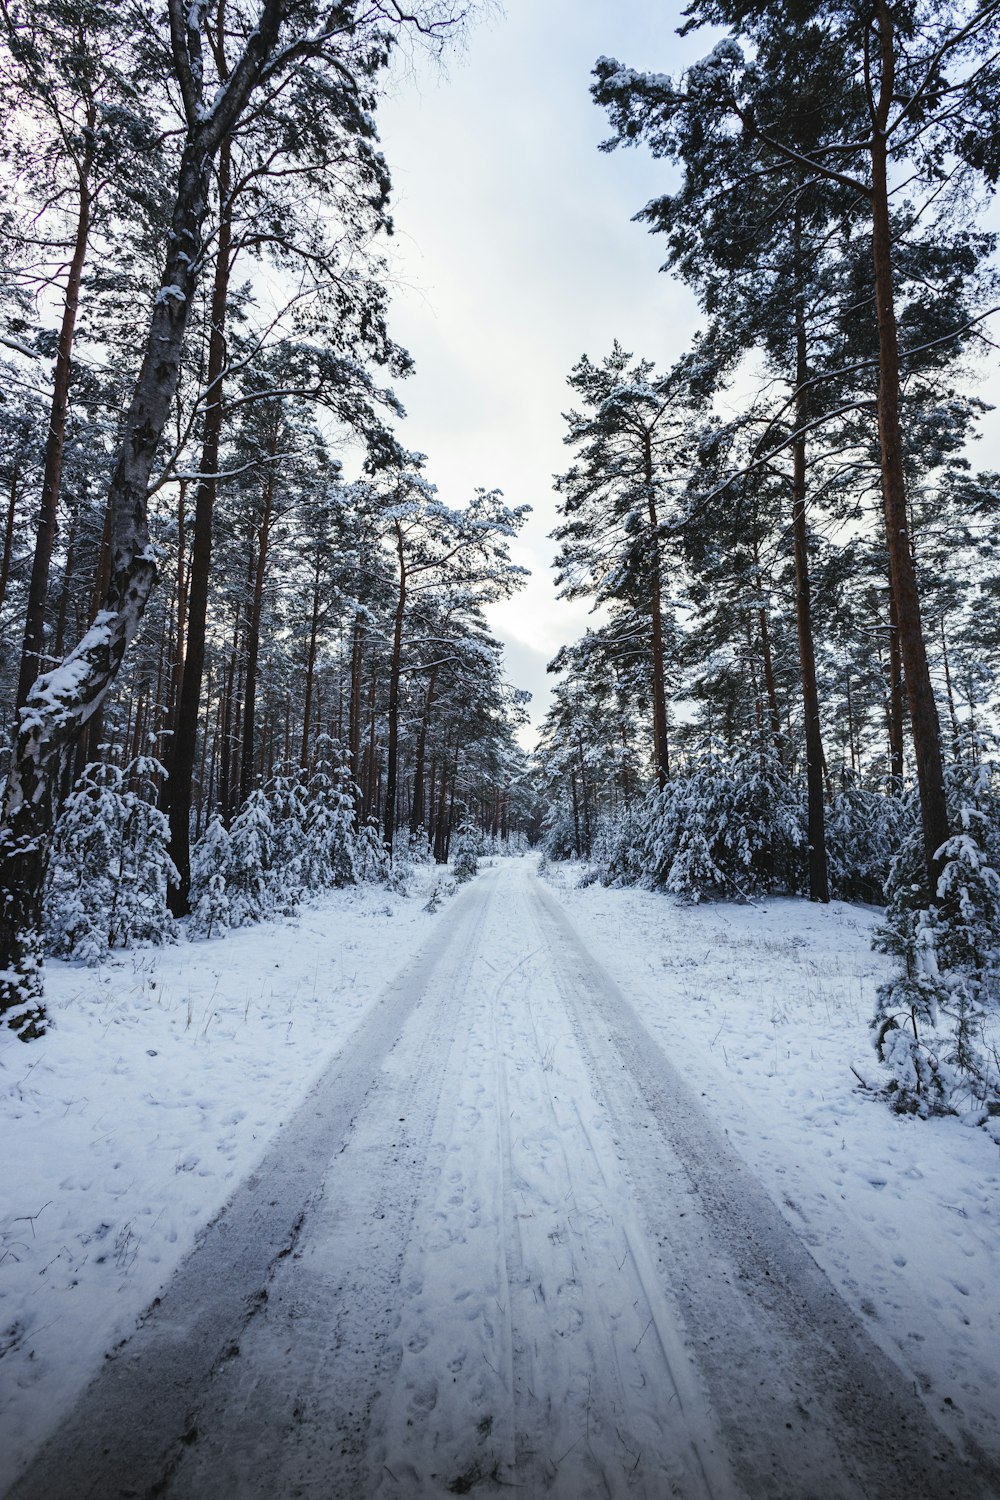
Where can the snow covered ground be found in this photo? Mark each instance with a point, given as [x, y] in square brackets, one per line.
[491, 1281]
[763, 1008]
[164, 1076]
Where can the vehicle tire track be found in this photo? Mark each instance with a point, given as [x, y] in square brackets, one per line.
[136, 1424]
[292, 1414]
[810, 1406]
[657, 1391]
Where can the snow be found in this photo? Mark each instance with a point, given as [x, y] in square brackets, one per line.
[160, 1084]
[764, 1008]
[503, 1217]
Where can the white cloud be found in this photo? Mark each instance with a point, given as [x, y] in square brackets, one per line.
[515, 254]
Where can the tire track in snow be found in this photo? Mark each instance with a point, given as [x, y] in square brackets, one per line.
[810, 1406]
[293, 1414]
[139, 1418]
[647, 1429]
[525, 1359]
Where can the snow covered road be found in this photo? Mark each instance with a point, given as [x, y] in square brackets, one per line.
[502, 1244]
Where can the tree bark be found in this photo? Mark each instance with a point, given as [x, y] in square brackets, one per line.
[185, 737]
[354, 719]
[226, 723]
[253, 628]
[819, 884]
[395, 663]
[62, 701]
[417, 814]
[924, 725]
[33, 647]
[585, 797]
[661, 752]
[310, 666]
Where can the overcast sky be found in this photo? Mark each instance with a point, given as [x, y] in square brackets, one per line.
[515, 255]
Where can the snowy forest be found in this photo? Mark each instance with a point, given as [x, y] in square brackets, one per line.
[312, 681]
[791, 552]
[257, 709]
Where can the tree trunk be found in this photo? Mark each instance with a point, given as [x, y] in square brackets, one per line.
[184, 743]
[850, 725]
[417, 811]
[310, 665]
[576, 815]
[226, 723]
[33, 647]
[253, 629]
[354, 719]
[585, 797]
[89, 744]
[819, 884]
[924, 725]
[373, 775]
[395, 662]
[182, 582]
[661, 752]
[440, 826]
[61, 702]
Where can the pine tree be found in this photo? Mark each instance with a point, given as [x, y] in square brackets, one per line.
[896, 92]
[465, 863]
[250, 884]
[337, 54]
[210, 864]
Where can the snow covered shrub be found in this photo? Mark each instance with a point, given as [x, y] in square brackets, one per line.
[329, 843]
[370, 857]
[83, 872]
[929, 1019]
[287, 801]
[725, 825]
[210, 859]
[905, 1024]
[251, 862]
[108, 872]
[440, 890]
[863, 830]
[140, 913]
[465, 862]
[618, 841]
[81, 875]
[559, 839]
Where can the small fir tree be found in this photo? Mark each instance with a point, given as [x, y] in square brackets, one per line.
[251, 863]
[465, 863]
[210, 861]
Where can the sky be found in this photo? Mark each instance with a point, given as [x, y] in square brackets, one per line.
[514, 255]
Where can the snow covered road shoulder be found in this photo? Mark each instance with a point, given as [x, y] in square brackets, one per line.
[158, 1089]
[763, 1010]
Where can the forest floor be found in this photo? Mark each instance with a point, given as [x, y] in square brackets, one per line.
[567, 1190]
